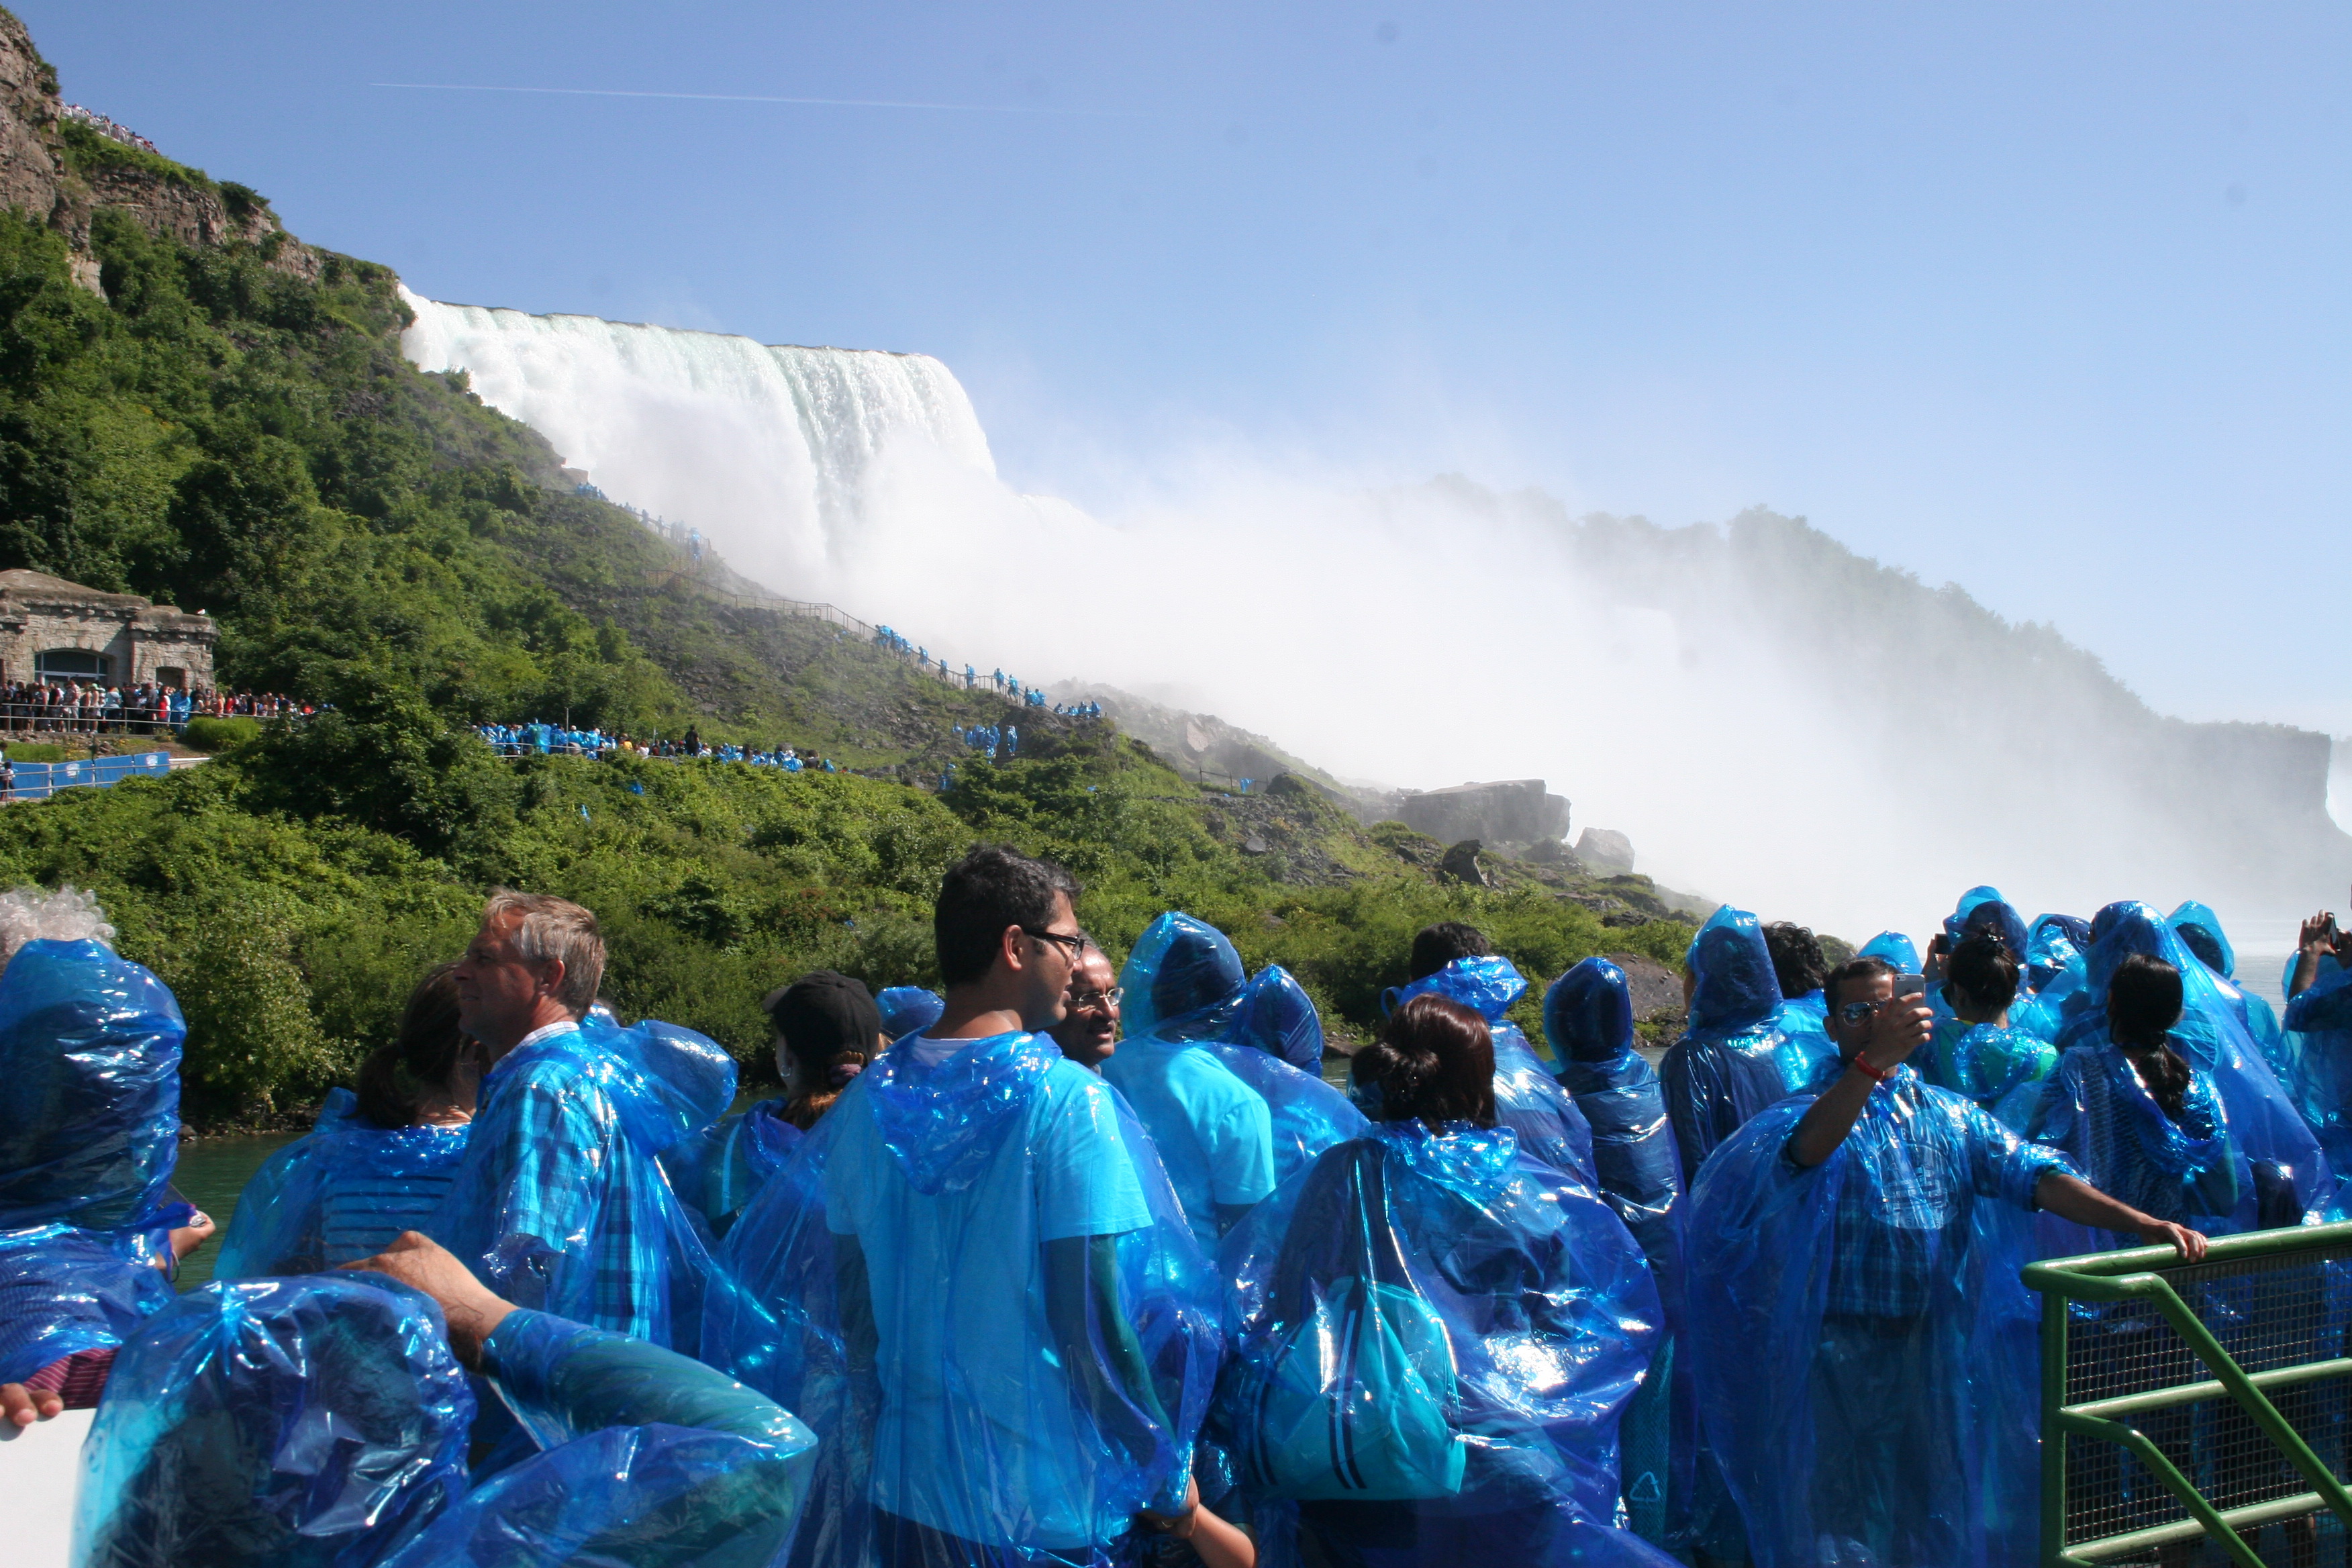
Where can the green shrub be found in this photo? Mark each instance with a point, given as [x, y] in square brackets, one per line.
[206, 733]
[40, 751]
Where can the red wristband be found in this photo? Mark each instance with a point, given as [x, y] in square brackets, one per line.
[1869, 1072]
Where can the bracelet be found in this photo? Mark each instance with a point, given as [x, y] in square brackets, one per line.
[1869, 1072]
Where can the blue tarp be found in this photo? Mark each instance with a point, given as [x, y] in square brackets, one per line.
[339, 1194]
[1434, 1339]
[1725, 1069]
[1865, 1350]
[561, 1203]
[90, 1088]
[976, 1285]
[1527, 1099]
[36, 781]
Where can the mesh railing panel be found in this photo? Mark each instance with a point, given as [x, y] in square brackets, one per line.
[2268, 1313]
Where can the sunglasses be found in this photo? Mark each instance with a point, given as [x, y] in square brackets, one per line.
[1855, 1012]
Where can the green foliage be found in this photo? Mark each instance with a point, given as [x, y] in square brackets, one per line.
[207, 732]
[37, 751]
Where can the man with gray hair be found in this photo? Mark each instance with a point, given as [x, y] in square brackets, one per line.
[562, 1205]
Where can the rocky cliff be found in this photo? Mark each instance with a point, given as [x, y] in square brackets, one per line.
[64, 174]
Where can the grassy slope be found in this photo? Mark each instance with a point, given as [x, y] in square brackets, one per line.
[221, 436]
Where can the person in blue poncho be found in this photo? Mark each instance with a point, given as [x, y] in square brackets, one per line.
[561, 1203]
[1866, 1352]
[2201, 930]
[827, 1028]
[1589, 1019]
[323, 1419]
[1977, 1052]
[974, 1281]
[2314, 1047]
[1229, 1121]
[1452, 960]
[1435, 1335]
[89, 1124]
[1894, 949]
[907, 1008]
[1279, 1018]
[1725, 1069]
[2292, 1175]
[1798, 965]
[378, 1164]
[2053, 945]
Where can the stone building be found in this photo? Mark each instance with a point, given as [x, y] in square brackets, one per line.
[51, 629]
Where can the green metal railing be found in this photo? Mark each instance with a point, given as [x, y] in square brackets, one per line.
[2183, 1403]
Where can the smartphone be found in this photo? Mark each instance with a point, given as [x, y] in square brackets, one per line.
[1910, 985]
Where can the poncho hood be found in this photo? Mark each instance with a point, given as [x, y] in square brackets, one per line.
[1588, 1012]
[1735, 988]
[1486, 985]
[1181, 976]
[1278, 1018]
[943, 1120]
[2193, 919]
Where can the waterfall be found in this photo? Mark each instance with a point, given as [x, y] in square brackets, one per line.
[742, 439]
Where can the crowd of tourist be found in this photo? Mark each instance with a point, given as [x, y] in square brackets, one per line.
[1076, 1263]
[542, 740]
[94, 707]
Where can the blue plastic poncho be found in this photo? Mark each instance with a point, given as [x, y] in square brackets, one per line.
[1279, 1018]
[1804, 1038]
[2055, 943]
[2189, 1172]
[1434, 1339]
[719, 1170]
[1983, 909]
[90, 1088]
[908, 1008]
[975, 1283]
[2291, 1174]
[2315, 1050]
[1725, 1069]
[1891, 947]
[561, 1203]
[322, 1420]
[1865, 1350]
[1527, 1099]
[2200, 931]
[339, 1194]
[1589, 1019]
[1230, 1122]
[64, 1291]
[1999, 1068]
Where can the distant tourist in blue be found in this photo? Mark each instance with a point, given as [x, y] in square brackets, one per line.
[1867, 1353]
[1433, 1334]
[827, 1028]
[379, 1162]
[975, 1282]
[1456, 961]
[324, 1419]
[2314, 1046]
[561, 1203]
[1725, 1068]
[1799, 967]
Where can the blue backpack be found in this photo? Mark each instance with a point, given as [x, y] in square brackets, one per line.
[1356, 1398]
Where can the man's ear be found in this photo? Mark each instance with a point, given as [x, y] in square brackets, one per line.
[551, 976]
[1008, 947]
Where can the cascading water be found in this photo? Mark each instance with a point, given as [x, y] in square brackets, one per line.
[706, 426]
[1769, 721]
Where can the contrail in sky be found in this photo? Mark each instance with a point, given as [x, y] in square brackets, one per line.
[738, 98]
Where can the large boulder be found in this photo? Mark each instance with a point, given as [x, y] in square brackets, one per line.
[1515, 813]
[1606, 851]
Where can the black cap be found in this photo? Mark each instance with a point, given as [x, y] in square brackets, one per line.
[823, 1014]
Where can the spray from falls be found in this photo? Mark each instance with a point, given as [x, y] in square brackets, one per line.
[1770, 719]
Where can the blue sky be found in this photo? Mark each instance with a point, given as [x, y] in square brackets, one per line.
[2047, 300]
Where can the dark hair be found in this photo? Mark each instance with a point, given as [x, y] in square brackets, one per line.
[1435, 946]
[1984, 971]
[422, 1058]
[993, 887]
[1797, 959]
[830, 1023]
[1435, 1060]
[2144, 1001]
[1867, 967]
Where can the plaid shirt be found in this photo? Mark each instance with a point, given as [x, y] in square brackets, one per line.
[556, 1208]
[1912, 1169]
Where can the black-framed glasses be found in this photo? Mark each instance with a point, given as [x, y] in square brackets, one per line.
[1076, 946]
[1087, 1001]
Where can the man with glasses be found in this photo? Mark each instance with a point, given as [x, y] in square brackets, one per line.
[1864, 1352]
[1089, 1034]
[991, 1267]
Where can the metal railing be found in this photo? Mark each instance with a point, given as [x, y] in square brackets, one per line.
[2184, 1407]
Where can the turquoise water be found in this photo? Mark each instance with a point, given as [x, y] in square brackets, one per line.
[212, 1172]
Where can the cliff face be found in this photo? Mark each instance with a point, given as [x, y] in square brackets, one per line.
[64, 175]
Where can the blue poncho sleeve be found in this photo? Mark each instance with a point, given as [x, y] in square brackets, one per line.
[1864, 1348]
[89, 1088]
[64, 1291]
[1431, 1320]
